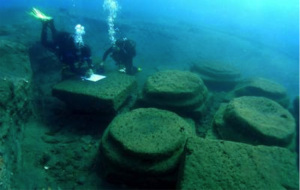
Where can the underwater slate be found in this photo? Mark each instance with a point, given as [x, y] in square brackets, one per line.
[213, 164]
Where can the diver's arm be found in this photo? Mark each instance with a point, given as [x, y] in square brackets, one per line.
[90, 62]
[86, 54]
[128, 63]
[106, 53]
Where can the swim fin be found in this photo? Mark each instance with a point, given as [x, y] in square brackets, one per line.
[39, 15]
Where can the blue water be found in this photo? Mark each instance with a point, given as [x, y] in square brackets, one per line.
[259, 37]
[271, 26]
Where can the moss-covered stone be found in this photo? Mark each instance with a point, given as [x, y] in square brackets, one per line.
[106, 95]
[6, 92]
[3, 177]
[213, 164]
[263, 87]
[14, 60]
[179, 91]
[14, 113]
[217, 75]
[173, 85]
[255, 120]
[145, 142]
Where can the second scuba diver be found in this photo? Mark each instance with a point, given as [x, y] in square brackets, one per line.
[69, 48]
[122, 52]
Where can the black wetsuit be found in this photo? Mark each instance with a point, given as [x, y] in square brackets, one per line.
[123, 52]
[65, 48]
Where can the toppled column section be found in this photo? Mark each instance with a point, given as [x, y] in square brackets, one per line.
[144, 147]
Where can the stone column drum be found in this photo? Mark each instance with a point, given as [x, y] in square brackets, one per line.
[144, 147]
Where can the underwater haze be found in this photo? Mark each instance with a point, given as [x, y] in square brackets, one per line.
[271, 26]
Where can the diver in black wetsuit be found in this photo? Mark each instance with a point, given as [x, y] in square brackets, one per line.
[70, 50]
[122, 52]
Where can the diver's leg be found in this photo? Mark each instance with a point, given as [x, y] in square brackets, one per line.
[130, 69]
[53, 29]
[44, 34]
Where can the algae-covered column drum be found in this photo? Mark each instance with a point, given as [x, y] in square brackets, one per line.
[255, 120]
[143, 147]
[265, 88]
[179, 91]
[217, 76]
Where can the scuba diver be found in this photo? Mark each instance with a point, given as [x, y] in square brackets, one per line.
[69, 48]
[122, 52]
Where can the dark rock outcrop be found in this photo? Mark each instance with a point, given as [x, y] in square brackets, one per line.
[14, 60]
[15, 107]
[6, 92]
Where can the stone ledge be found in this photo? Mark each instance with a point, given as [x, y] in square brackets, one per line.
[213, 164]
[106, 95]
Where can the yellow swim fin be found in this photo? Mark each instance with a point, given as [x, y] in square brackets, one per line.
[39, 15]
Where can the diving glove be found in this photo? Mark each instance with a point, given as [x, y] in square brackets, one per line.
[39, 15]
[89, 73]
